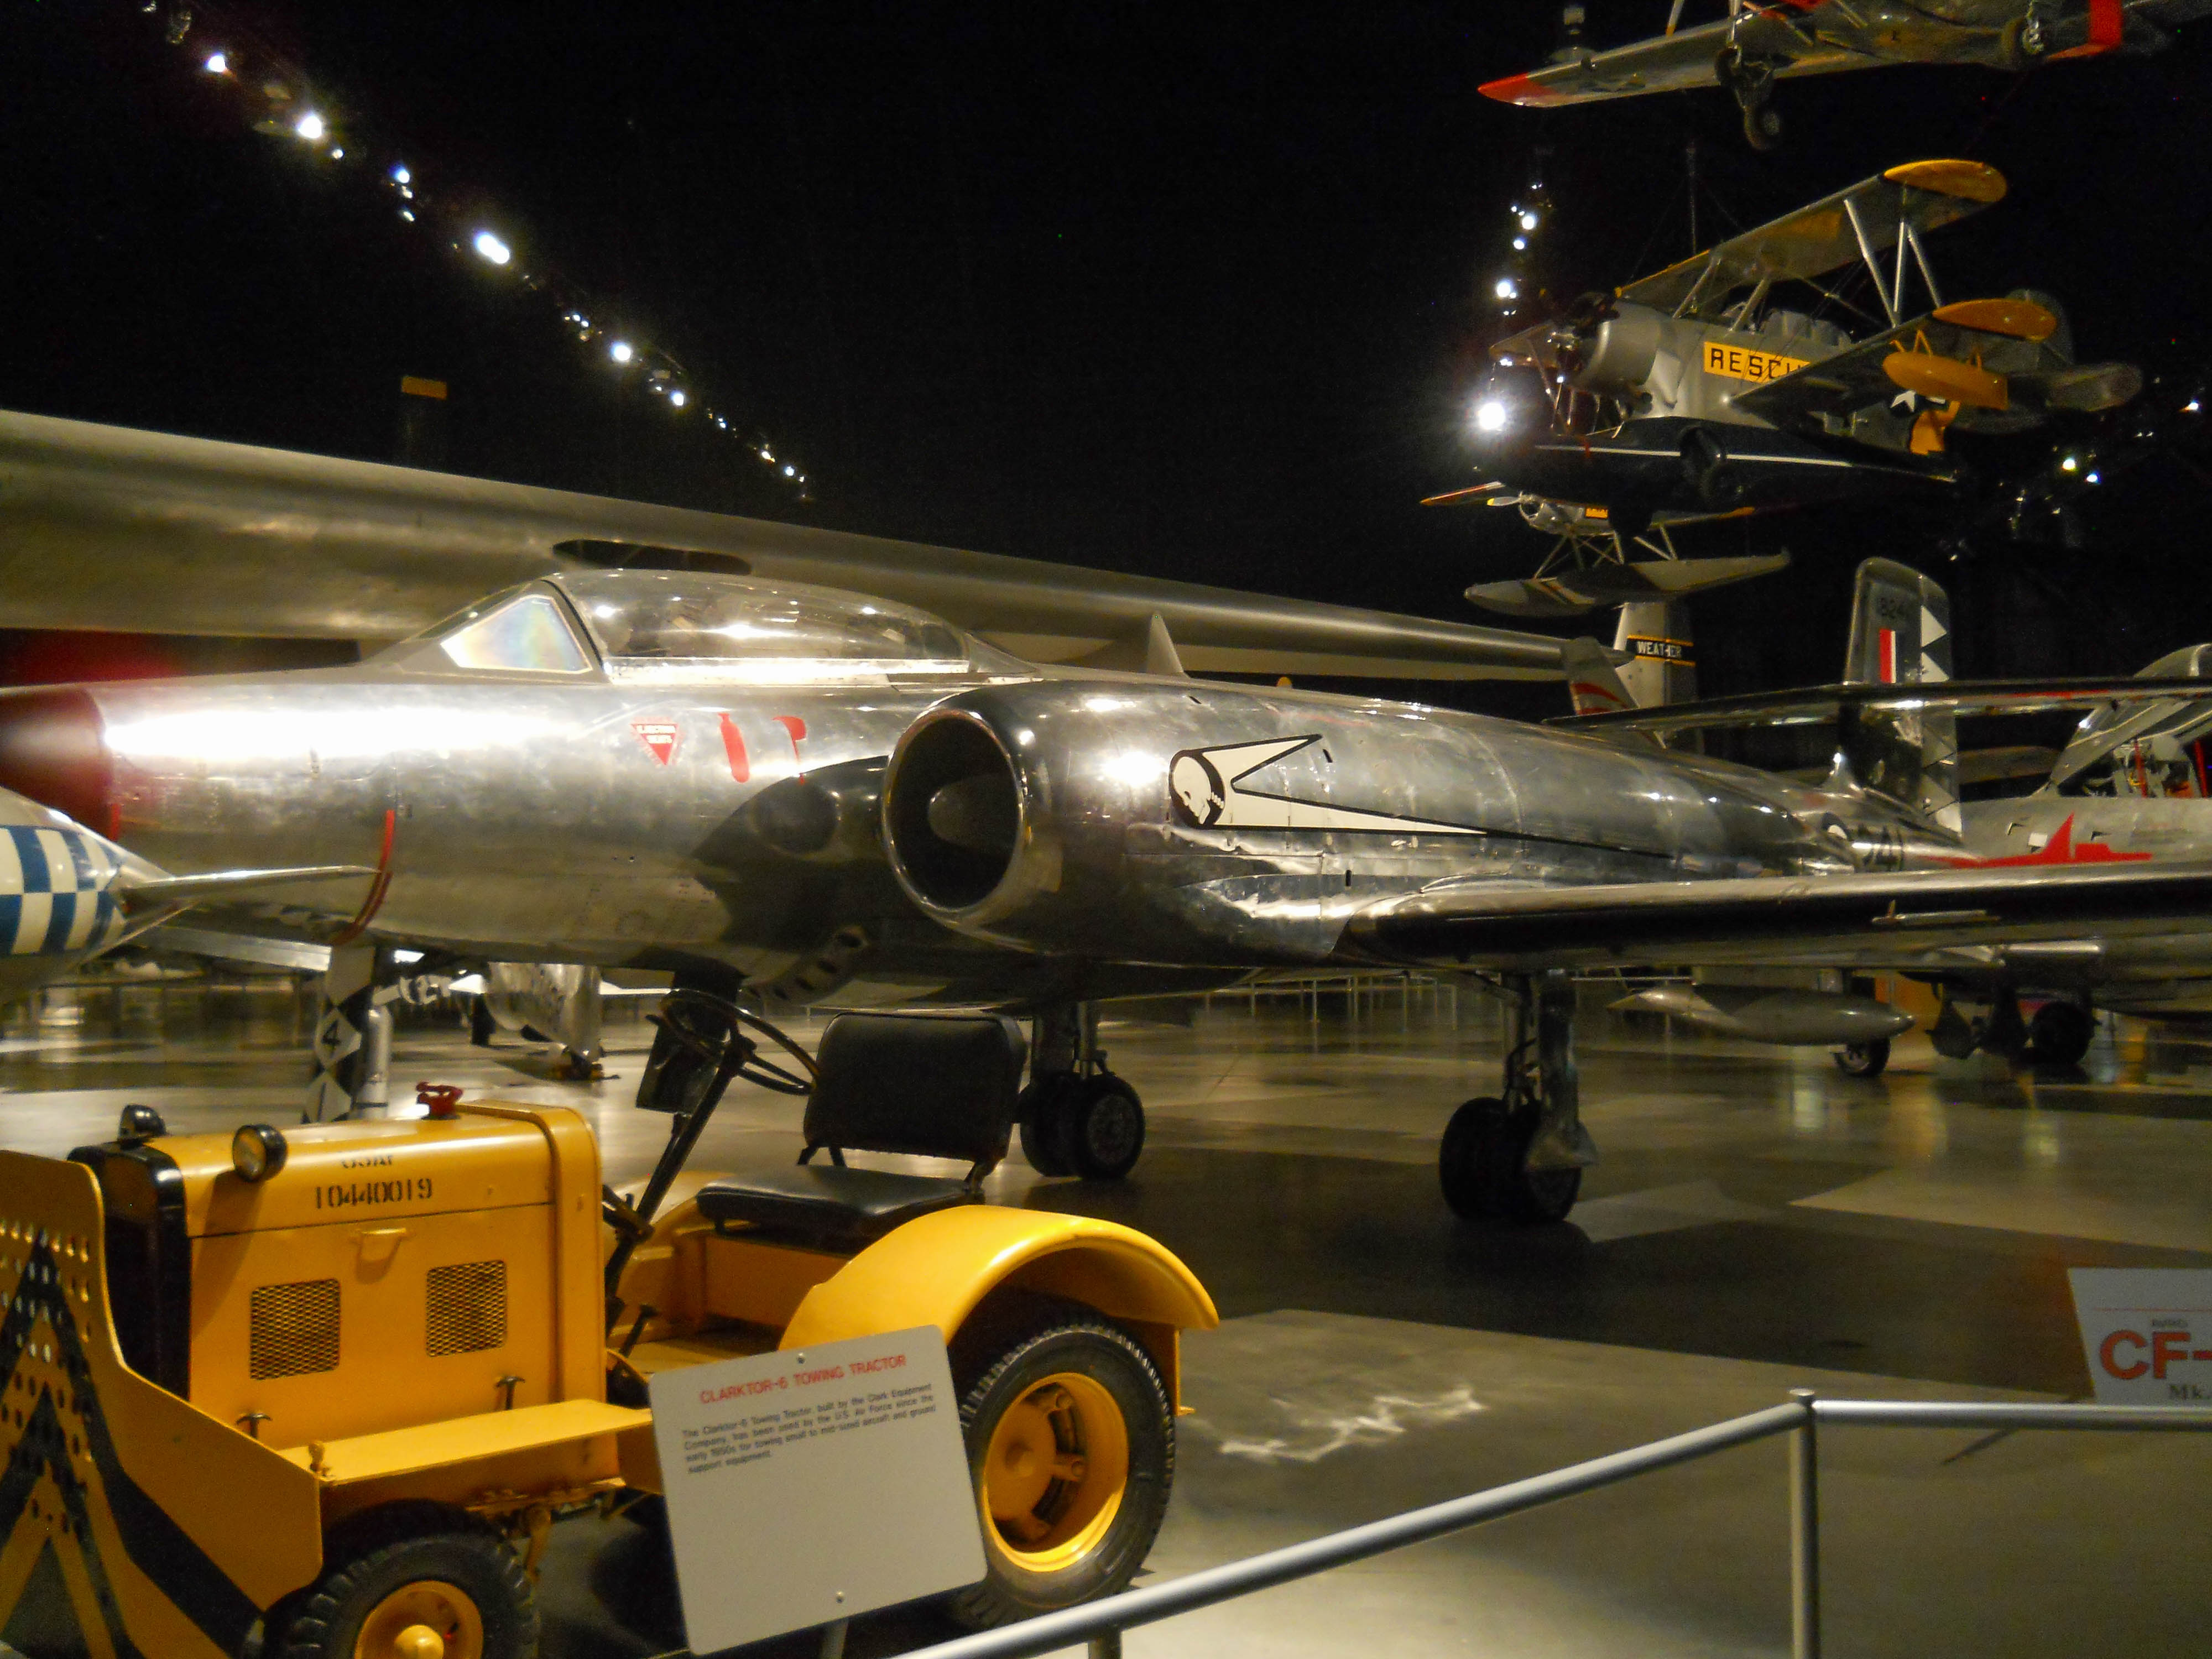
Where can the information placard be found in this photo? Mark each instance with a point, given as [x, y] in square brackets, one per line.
[2147, 1333]
[809, 1486]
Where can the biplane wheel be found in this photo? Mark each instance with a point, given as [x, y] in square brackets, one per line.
[1863, 1059]
[413, 1581]
[1483, 1166]
[1762, 125]
[1071, 1445]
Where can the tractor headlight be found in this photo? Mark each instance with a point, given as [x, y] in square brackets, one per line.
[257, 1151]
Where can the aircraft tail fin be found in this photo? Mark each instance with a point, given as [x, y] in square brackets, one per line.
[1663, 666]
[1592, 684]
[1901, 636]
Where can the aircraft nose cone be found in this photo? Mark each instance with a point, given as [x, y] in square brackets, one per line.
[53, 749]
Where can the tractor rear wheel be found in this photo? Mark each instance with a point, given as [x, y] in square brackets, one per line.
[417, 1581]
[1071, 1445]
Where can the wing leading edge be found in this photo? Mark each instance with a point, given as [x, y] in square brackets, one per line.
[1840, 920]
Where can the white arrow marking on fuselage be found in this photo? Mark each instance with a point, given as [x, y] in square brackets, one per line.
[1203, 784]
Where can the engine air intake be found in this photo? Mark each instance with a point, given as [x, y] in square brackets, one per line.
[952, 813]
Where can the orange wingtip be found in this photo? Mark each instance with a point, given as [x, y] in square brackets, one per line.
[2021, 319]
[1972, 181]
[1518, 89]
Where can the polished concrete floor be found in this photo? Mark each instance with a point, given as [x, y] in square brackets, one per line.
[1759, 1222]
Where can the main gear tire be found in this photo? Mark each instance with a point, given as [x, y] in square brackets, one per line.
[1762, 125]
[1104, 1127]
[1070, 1447]
[1483, 1166]
[1863, 1059]
[1042, 1112]
[412, 1580]
[2060, 1033]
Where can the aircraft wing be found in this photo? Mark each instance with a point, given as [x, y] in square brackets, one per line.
[1985, 354]
[104, 527]
[1818, 705]
[1673, 63]
[1841, 921]
[1925, 195]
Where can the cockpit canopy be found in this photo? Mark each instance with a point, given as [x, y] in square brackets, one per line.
[677, 626]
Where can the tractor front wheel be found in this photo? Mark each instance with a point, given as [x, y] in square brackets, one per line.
[417, 1582]
[1071, 1444]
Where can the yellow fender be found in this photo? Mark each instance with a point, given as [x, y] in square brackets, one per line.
[938, 1269]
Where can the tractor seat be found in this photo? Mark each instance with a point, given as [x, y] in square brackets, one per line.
[926, 1085]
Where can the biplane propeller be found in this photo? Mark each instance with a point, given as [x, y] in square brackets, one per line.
[1694, 392]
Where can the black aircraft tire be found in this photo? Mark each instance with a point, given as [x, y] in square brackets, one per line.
[1762, 126]
[416, 1563]
[1105, 1130]
[1042, 1113]
[2060, 1033]
[1863, 1059]
[1483, 1168]
[1090, 1388]
[483, 1028]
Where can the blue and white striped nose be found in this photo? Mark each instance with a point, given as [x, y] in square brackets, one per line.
[57, 894]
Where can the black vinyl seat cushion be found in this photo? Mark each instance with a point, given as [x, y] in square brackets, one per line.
[824, 1204]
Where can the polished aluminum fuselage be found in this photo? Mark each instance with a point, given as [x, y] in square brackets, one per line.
[661, 825]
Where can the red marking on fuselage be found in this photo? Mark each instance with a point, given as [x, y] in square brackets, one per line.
[797, 729]
[733, 743]
[2059, 849]
[660, 737]
[1888, 668]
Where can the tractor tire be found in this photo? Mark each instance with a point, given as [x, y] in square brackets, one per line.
[1863, 1059]
[2060, 1033]
[1483, 1166]
[409, 1566]
[1105, 1127]
[1071, 1447]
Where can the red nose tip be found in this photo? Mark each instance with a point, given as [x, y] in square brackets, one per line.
[54, 750]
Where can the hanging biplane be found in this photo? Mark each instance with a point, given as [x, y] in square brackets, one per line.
[1697, 390]
[1755, 46]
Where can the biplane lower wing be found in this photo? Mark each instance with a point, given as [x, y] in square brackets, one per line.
[1675, 63]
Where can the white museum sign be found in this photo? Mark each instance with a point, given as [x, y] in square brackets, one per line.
[2147, 1332]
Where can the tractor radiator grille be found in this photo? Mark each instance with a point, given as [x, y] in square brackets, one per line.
[293, 1329]
[467, 1308]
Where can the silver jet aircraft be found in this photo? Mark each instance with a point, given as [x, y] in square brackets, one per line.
[795, 795]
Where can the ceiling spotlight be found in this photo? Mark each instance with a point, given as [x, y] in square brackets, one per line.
[1527, 221]
[1490, 415]
[2191, 406]
[791, 472]
[336, 153]
[309, 126]
[407, 214]
[1520, 243]
[768, 457]
[490, 247]
[620, 351]
[401, 176]
[217, 63]
[676, 399]
[2091, 478]
[1505, 288]
[2069, 465]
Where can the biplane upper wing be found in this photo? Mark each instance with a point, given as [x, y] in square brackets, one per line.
[1857, 223]
[1676, 62]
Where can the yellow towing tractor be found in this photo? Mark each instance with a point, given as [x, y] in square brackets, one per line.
[323, 1391]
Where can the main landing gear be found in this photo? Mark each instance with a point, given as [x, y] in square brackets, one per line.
[2057, 1036]
[1077, 1117]
[1520, 1159]
[1751, 80]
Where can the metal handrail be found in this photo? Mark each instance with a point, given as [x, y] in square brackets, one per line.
[1101, 1623]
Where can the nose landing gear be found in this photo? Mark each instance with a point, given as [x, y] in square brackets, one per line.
[1520, 1158]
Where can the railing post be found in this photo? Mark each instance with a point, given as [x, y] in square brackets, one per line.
[1107, 1644]
[1804, 1534]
